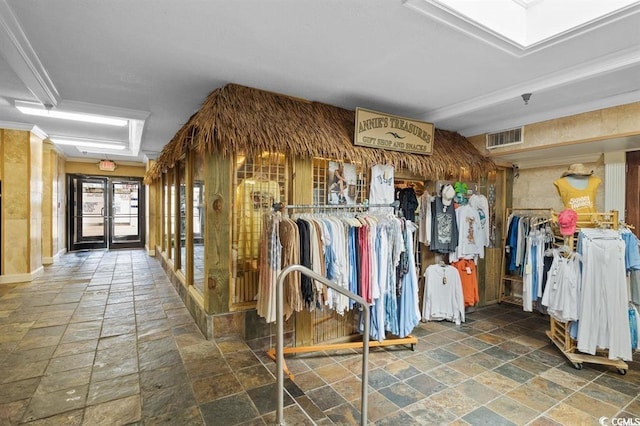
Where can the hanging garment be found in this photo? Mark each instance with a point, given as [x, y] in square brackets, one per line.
[469, 280]
[381, 189]
[604, 319]
[306, 284]
[290, 241]
[379, 296]
[527, 278]
[361, 253]
[481, 204]
[633, 326]
[271, 265]
[443, 299]
[562, 293]
[512, 244]
[471, 241]
[547, 261]
[632, 251]
[396, 247]
[444, 232]
[533, 269]
[408, 312]
[408, 202]
[424, 231]
[255, 197]
[637, 327]
[635, 286]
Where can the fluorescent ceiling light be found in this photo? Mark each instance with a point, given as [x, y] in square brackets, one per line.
[88, 143]
[32, 108]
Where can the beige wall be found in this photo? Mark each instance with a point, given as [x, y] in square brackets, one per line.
[48, 170]
[591, 126]
[53, 205]
[596, 125]
[35, 201]
[15, 190]
[22, 204]
[77, 167]
[534, 188]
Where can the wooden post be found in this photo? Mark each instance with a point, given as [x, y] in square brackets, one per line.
[301, 171]
[218, 213]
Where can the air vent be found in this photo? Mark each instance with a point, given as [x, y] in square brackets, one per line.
[504, 138]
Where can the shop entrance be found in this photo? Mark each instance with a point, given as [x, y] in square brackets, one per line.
[105, 212]
[632, 201]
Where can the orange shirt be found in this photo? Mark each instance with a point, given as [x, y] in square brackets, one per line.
[469, 278]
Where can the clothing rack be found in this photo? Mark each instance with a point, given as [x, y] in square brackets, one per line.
[408, 340]
[281, 206]
[507, 295]
[559, 332]
[606, 220]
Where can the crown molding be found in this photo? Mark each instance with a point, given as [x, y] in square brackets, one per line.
[585, 71]
[17, 50]
[442, 13]
[26, 127]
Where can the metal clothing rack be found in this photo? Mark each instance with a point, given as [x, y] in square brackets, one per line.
[281, 206]
[408, 340]
[508, 282]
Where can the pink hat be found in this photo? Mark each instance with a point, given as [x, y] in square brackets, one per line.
[567, 221]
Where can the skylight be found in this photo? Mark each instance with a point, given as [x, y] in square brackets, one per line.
[524, 24]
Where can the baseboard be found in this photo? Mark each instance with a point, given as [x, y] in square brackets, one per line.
[21, 278]
[52, 260]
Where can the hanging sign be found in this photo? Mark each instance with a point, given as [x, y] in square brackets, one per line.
[379, 130]
[107, 165]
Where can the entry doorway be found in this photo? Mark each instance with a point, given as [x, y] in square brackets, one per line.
[105, 212]
[632, 201]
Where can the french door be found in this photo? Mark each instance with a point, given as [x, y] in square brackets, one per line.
[105, 212]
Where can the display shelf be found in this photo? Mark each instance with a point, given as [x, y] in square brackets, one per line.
[558, 331]
[559, 335]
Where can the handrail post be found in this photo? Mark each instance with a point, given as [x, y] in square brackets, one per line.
[280, 338]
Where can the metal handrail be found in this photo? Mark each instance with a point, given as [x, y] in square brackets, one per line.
[280, 336]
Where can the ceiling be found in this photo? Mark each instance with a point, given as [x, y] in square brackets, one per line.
[153, 62]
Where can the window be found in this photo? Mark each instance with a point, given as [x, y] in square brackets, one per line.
[198, 214]
[181, 169]
[260, 182]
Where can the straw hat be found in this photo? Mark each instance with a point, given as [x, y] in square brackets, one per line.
[577, 170]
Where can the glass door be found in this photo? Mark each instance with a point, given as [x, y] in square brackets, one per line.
[105, 212]
[126, 221]
[88, 207]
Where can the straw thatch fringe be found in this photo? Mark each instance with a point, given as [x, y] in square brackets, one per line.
[239, 119]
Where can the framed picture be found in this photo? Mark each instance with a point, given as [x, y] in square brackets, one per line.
[342, 183]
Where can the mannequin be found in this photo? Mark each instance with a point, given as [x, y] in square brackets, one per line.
[578, 182]
[577, 187]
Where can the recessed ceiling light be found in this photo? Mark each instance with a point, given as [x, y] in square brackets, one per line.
[33, 108]
[88, 143]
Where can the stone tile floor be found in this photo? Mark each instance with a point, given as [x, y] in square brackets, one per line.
[102, 338]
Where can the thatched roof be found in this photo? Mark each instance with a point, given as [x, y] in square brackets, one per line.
[239, 119]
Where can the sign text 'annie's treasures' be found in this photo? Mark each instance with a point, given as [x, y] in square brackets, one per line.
[379, 130]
